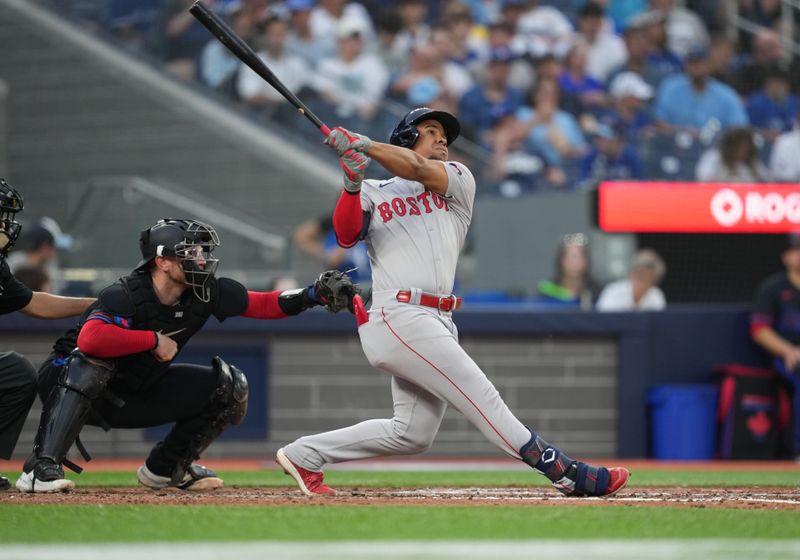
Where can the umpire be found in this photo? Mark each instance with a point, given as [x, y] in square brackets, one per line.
[17, 376]
[115, 370]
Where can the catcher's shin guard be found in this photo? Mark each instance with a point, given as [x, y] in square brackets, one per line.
[228, 407]
[570, 477]
[67, 408]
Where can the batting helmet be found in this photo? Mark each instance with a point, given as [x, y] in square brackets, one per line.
[10, 203]
[405, 134]
[190, 243]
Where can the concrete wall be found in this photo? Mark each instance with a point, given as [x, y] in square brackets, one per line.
[564, 387]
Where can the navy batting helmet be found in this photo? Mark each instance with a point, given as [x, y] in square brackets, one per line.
[405, 133]
[189, 242]
[10, 203]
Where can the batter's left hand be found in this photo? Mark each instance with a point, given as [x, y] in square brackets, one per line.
[354, 164]
[342, 140]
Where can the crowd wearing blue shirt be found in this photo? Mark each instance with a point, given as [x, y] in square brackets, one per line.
[485, 59]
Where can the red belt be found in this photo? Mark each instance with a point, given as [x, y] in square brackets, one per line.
[442, 303]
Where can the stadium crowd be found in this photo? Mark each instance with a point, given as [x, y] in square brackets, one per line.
[551, 93]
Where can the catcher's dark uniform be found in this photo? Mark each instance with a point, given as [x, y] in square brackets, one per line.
[144, 392]
[17, 375]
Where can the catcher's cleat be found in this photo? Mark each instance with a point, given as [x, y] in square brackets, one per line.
[311, 483]
[197, 479]
[45, 477]
[5, 484]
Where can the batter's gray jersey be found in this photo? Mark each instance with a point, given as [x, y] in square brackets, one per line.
[415, 235]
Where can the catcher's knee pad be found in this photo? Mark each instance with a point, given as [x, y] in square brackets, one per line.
[227, 407]
[231, 393]
[67, 407]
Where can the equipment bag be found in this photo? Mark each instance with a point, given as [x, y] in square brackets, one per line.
[754, 414]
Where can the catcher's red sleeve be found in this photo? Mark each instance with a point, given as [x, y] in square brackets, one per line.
[106, 340]
[263, 305]
[348, 218]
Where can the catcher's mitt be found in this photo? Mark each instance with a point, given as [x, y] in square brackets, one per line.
[334, 290]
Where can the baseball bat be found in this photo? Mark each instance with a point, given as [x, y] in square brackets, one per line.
[243, 52]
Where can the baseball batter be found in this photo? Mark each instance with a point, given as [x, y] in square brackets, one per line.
[415, 225]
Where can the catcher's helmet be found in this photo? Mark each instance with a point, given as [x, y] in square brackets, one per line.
[10, 203]
[405, 134]
[190, 243]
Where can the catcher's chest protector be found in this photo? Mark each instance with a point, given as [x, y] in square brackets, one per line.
[180, 322]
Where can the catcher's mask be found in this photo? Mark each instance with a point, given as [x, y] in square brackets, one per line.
[190, 243]
[10, 203]
[405, 134]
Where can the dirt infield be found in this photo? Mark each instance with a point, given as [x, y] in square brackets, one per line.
[742, 498]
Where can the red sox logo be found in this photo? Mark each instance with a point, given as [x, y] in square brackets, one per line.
[412, 205]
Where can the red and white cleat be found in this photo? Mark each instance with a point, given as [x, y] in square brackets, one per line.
[310, 482]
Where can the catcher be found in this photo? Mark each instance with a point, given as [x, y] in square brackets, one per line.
[115, 370]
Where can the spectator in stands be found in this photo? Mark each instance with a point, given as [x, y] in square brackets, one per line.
[469, 49]
[605, 50]
[773, 108]
[36, 279]
[500, 36]
[543, 30]
[492, 100]
[550, 67]
[638, 48]
[317, 239]
[640, 291]
[694, 100]
[734, 161]
[765, 14]
[432, 81]
[327, 14]
[767, 53]
[629, 112]
[550, 131]
[661, 60]
[387, 48]
[574, 80]
[300, 40]
[352, 85]
[685, 30]
[133, 22]
[784, 160]
[185, 39]
[39, 248]
[414, 29]
[572, 284]
[289, 68]
[610, 158]
[219, 67]
[455, 55]
[722, 59]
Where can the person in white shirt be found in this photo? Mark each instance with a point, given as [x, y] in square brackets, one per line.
[354, 81]
[290, 69]
[640, 291]
[606, 51]
[784, 163]
[327, 15]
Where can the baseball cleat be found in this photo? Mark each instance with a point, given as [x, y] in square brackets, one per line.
[585, 481]
[5, 484]
[311, 483]
[197, 479]
[44, 478]
[617, 480]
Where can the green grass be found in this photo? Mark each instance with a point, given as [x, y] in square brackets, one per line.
[465, 478]
[66, 522]
[91, 524]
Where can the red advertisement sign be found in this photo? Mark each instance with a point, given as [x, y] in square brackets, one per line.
[639, 206]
